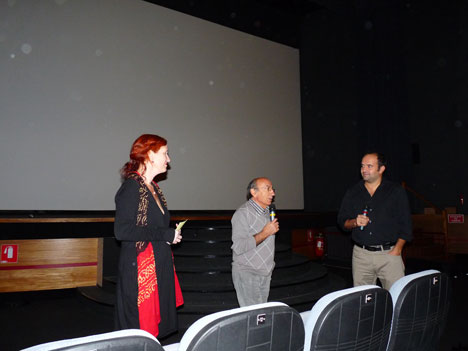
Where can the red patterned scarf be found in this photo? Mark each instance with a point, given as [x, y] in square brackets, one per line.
[148, 296]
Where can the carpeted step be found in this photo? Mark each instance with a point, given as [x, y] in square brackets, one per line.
[214, 249]
[187, 264]
[207, 234]
[300, 296]
[219, 282]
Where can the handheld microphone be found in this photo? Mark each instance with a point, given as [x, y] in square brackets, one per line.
[364, 213]
[272, 212]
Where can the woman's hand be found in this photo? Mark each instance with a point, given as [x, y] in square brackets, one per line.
[177, 237]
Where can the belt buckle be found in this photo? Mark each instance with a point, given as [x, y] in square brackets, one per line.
[374, 247]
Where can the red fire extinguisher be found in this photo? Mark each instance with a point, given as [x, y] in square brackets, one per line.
[319, 245]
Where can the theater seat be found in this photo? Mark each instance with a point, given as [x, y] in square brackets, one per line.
[420, 307]
[122, 340]
[357, 318]
[272, 326]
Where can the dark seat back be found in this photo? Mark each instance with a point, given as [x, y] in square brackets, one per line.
[357, 318]
[420, 307]
[270, 326]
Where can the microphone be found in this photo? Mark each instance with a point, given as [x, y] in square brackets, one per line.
[272, 212]
[364, 213]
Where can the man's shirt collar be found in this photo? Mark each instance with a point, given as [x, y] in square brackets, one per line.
[259, 209]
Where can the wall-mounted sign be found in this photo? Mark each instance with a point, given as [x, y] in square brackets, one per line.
[456, 218]
[9, 253]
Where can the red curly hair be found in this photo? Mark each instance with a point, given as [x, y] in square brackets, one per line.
[139, 152]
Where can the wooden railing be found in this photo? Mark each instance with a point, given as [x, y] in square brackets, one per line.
[421, 197]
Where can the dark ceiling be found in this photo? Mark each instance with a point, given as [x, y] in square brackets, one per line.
[276, 20]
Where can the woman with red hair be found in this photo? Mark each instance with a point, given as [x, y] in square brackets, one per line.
[148, 291]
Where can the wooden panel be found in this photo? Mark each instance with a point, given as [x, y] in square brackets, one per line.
[54, 251]
[453, 237]
[458, 238]
[300, 237]
[303, 242]
[50, 264]
[47, 278]
[429, 223]
[100, 266]
[429, 236]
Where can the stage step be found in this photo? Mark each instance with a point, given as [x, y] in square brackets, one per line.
[196, 264]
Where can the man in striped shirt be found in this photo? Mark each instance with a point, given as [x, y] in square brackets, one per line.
[253, 248]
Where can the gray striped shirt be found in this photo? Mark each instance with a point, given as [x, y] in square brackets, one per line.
[248, 220]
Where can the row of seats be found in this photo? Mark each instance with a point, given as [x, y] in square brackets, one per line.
[411, 316]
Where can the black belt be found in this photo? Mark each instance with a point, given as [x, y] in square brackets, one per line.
[386, 246]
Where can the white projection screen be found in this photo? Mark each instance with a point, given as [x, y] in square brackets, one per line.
[82, 79]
